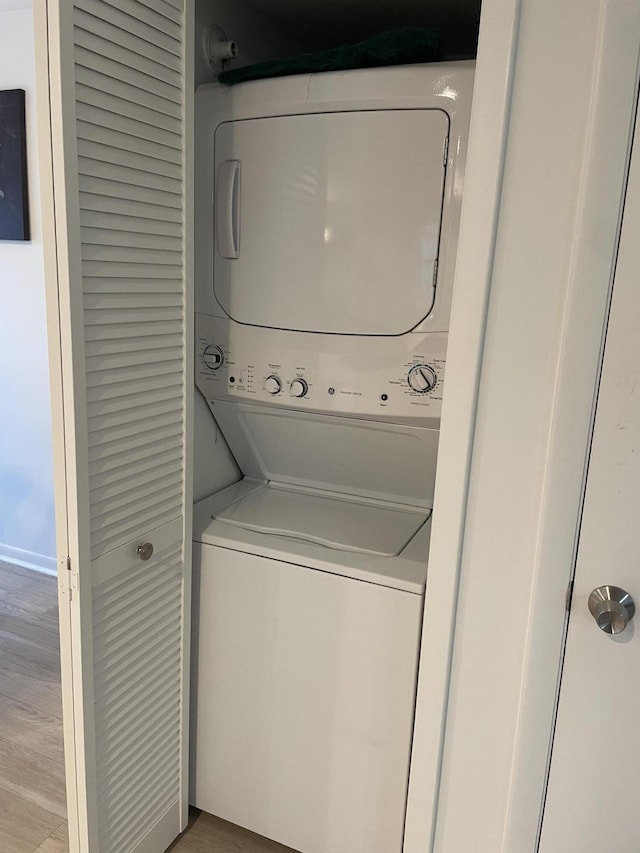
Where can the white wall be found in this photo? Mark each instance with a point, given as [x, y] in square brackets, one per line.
[26, 476]
[257, 39]
[214, 466]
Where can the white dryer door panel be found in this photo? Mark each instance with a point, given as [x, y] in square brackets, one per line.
[329, 222]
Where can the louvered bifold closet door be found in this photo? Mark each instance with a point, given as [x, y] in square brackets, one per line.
[120, 112]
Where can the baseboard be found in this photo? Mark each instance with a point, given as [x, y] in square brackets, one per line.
[28, 559]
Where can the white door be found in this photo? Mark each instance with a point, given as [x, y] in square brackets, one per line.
[114, 99]
[592, 796]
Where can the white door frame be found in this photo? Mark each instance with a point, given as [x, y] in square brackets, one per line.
[536, 257]
[483, 185]
[59, 403]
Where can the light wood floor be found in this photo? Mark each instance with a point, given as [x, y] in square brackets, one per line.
[32, 795]
[208, 834]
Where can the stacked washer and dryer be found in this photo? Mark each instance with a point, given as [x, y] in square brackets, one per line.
[327, 218]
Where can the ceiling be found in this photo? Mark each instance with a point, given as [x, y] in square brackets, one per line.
[327, 23]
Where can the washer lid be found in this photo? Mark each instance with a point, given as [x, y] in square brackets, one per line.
[330, 222]
[335, 522]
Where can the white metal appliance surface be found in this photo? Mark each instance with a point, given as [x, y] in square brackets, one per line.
[335, 195]
[327, 214]
[354, 201]
[383, 378]
[305, 731]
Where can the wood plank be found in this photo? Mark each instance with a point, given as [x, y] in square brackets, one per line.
[33, 777]
[41, 631]
[207, 833]
[30, 673]
[32, 728]
[44, 696]
[32, 791]
[23, 825]
[57, 842]
[29, 656]
[26, 593]
[37, 579]
[45, 624]
[28, 581]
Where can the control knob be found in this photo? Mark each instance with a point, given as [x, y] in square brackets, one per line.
[299, 388]
[213, 357]
[272, 384]
[422, 378]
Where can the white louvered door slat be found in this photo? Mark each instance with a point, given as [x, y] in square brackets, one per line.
[116, 148]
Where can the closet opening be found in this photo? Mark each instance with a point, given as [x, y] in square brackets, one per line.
[327, 209]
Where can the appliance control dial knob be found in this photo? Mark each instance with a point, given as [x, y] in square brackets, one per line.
[272, 384]
[213, 357]
[422, 378]
[299, 388]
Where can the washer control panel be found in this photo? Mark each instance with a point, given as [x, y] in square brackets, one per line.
[383, 377]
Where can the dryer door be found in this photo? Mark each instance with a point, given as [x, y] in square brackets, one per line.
[330, 222]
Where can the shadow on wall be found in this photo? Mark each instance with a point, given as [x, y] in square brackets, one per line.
[22, 519]
[27, 520]
[214, 466]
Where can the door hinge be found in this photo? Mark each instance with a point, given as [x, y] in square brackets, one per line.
[568, 597]
[446, 151]
[67, 578]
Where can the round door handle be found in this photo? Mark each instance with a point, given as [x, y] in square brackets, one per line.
[145, 551]
[612, 608]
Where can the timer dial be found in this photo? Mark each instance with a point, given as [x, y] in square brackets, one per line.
[213, 357]
[272, 384]
[299, 388]
[422, 378]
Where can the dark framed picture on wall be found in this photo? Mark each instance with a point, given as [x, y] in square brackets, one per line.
[14, 207]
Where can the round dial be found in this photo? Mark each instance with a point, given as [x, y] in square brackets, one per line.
[213, 357]
[299, 388]
[422, 378]
[272, 384]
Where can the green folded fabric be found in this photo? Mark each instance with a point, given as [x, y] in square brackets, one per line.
[402, 46]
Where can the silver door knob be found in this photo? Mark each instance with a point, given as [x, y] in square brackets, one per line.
[612, 608]
[145, 551]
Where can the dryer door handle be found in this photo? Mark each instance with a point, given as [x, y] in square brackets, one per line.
[228, 209]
